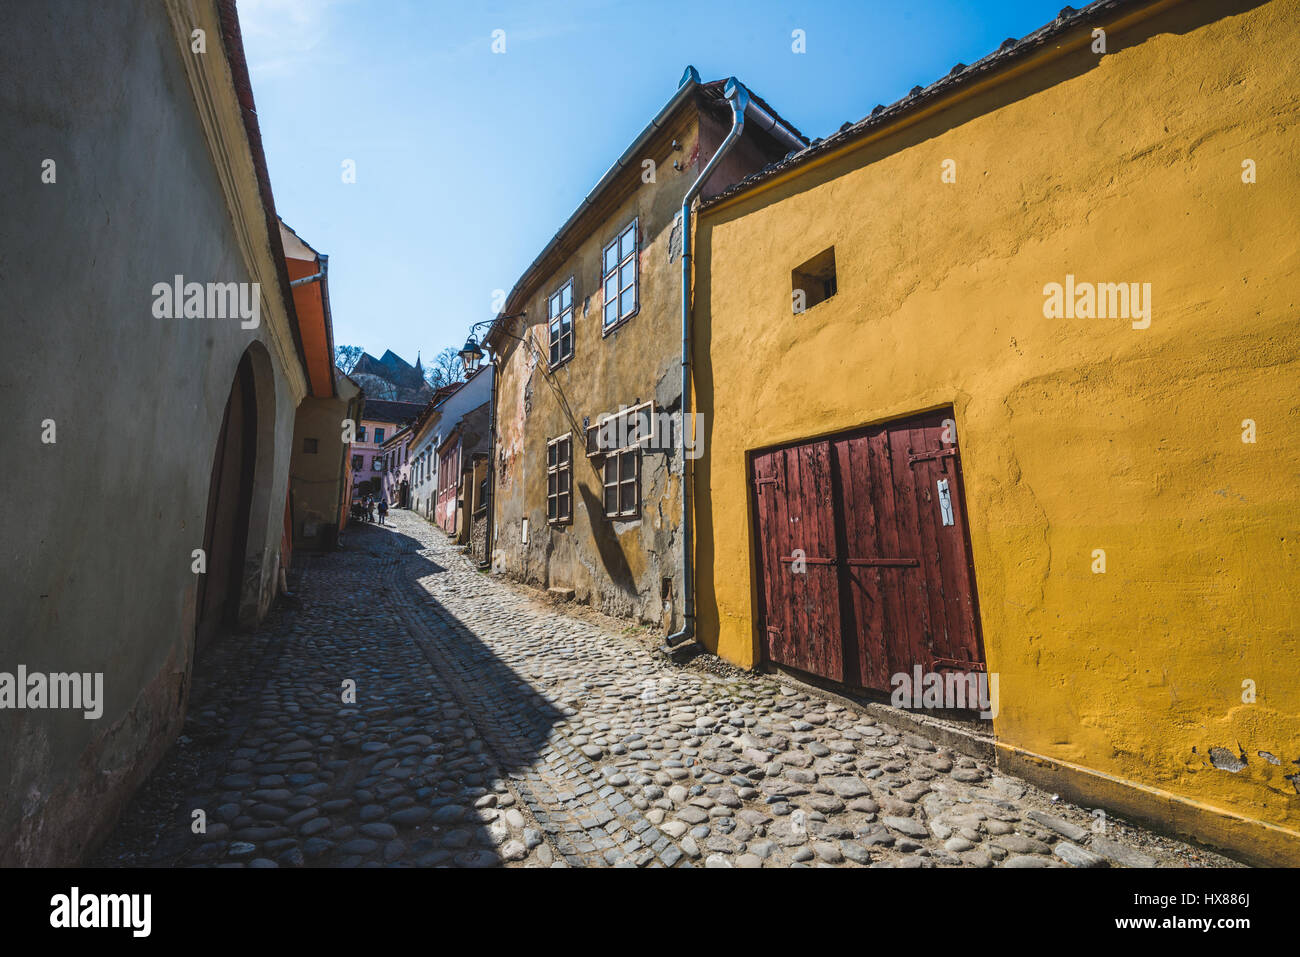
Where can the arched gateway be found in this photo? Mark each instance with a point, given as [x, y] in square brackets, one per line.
[239, 490]
[230, 497]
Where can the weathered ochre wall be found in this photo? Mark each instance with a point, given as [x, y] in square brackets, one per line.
[616, 565]
[318, 480]
[1075, 434]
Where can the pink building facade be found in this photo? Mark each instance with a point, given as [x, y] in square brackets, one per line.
[380, 421]
[396, 464]
[448, 482]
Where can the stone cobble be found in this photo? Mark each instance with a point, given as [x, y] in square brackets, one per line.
[490, 729]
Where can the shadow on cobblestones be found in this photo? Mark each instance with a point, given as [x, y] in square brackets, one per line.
[289, 770]
[490, 730]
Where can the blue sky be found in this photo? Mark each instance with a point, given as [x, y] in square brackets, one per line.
[467, 161]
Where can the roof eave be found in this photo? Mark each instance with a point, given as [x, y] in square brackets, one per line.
[991, 68]
[233, 44]
[688, 87]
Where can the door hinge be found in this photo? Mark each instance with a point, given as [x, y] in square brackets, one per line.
[914, 457]
[956, 664]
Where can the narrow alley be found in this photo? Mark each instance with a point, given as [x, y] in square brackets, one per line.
[491, 729]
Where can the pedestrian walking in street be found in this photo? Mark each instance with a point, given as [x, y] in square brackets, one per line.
[370, 509]
[383, 510]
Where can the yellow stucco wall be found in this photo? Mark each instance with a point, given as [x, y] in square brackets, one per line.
[1075, 434]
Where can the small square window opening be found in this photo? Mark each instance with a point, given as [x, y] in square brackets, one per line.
[813, 282]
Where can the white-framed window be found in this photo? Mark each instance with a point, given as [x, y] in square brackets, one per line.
[622, 480]
[619, 276]
[559, 313]
[637, 425]
[559, 480]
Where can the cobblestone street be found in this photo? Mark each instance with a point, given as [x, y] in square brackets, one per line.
[490, 728]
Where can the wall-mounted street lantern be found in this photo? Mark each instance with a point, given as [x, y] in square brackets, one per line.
[471, 355]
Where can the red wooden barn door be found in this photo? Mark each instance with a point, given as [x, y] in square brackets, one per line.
[880, 515]
[798, 559]
[909, 581]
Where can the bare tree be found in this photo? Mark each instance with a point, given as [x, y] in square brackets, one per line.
[444, 369]
[347, 357]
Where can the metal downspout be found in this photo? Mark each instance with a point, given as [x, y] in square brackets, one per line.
[738, 97]
[492, 468]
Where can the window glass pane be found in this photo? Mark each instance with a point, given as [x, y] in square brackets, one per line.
[566, 296]
[555, 306]
[611, 312]
[611, 500]
[625, 242]
[550, 456]
[628, 499]
[565, 322]
[627, 303]
[562, 506]
[611, 288]
[626, 273]
[562, 480]
[550, 508]
[611, 257]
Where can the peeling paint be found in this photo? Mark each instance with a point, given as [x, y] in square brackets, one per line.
[1225, 760]
[617, 565]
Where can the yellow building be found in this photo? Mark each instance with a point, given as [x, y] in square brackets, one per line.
[1055, 294]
